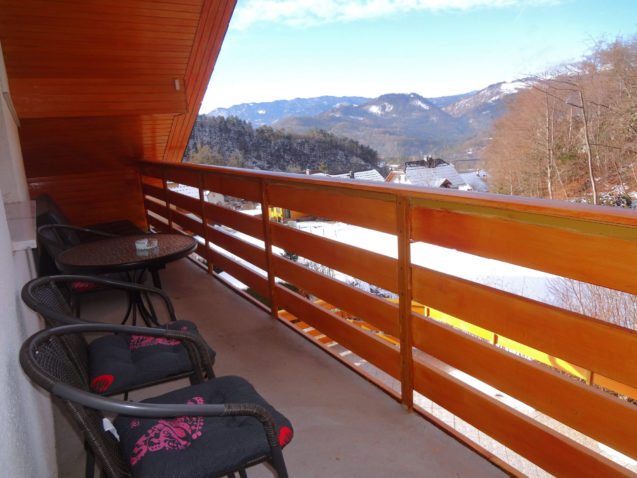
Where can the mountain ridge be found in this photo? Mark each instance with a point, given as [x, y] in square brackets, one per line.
[269, 112]
[397, 125]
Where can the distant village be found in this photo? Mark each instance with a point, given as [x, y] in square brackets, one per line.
[428, 172]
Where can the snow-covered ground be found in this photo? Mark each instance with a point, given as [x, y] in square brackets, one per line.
[501, 275]
[511, 278]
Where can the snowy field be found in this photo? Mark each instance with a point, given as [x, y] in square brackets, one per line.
[518, 280]
[501, 275]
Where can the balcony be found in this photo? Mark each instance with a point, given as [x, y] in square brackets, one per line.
[106, 142]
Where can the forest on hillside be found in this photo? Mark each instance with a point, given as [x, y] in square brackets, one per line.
[233, 142]
[573, 134]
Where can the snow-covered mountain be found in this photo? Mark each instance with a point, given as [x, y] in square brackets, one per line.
[260, 114]
[396, 125]
[482, 107]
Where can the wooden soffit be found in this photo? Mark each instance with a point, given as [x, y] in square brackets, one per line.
[101, 82]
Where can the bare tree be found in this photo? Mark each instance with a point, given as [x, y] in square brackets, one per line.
[609, 305]
[576, 128]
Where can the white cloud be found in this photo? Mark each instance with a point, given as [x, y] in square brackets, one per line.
[305, 13]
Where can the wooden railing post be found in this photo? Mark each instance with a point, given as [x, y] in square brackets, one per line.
[403, 219]
[140, 185]
[267, 245]
[168, 208]
[202, 201]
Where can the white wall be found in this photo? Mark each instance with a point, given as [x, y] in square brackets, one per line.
[13, 182]
[28, 445]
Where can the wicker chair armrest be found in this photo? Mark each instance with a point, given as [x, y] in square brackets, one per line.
[85, 230]
[29, 298]
[195, 345]
[168, 410]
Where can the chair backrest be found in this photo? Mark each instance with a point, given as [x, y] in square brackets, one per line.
[47, 297]
[48, 212]
[46, 361]
[56, 239]
[51, 241]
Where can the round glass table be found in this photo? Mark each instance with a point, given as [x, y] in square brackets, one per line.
[133, 254]
[118, 254]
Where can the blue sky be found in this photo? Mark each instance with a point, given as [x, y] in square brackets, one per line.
[284, 49]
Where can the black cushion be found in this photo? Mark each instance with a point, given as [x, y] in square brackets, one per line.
[122, 362]
[199, 446]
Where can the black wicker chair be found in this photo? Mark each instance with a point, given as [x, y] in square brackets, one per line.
[214, 428]
[55, 234]
[63, 234]
[123, 362]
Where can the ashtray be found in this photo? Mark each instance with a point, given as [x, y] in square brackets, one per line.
[145, 244]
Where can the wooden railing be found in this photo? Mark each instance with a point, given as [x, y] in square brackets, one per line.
[591, 244]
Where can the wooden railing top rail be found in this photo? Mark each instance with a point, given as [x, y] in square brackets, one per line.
[435, 198]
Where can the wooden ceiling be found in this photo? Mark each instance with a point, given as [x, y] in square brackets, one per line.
[97, 84]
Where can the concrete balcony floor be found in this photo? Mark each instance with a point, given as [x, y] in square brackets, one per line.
[343, 425]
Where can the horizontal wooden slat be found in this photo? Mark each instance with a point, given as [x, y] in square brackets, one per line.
[187, 223]
[140, 38]
[157, 208]
[528, 352]
[600, 220]
[96, 197]
[607, 419]
[118, 28]
[230, 243]
[370, 211]
[556, 454]
[597, 259]
[615, 386]
[589, 343]
[45, 98]
[360, 304]
[249, 189]
[240, 272]
[253, 226]
[152, 170]
[32, 36]
[63, 146]
[182, 176]
[376, 351]
[153, 191]
[368, 266]
[184, 202]
[110, 12]
[157, 224]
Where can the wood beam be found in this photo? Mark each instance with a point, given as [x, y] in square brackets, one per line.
[68, 97]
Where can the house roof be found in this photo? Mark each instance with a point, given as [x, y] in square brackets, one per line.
[369, 175]
[185, 190]
[475, 181]
[98, 85]
[433, 177]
